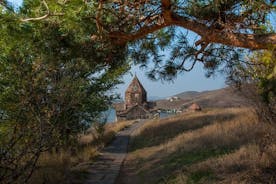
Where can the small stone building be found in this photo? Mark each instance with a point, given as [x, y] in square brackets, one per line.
[194, 107]
[136, 105]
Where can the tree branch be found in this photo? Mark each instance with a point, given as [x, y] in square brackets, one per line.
[182, 67]
[209, 34]
[121, 38]
[39, 18]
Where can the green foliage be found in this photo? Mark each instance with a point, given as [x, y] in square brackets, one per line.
[256, 80]
[53, 81]
[54, 75]
[183, 51]
[265, 73]
[259, 71]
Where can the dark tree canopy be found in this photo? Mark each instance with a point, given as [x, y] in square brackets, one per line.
[229, 22]
[226, 31]
[54, 82]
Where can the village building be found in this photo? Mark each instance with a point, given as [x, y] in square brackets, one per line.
[194, 107]
[136, 105]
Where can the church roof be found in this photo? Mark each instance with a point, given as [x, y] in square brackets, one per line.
[135, 85]
[133, 108]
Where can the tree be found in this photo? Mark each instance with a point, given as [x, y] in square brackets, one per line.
[59, 57]
[257, 82]
[225, 29]
[229, 22]
[53, 82]
[230, 33]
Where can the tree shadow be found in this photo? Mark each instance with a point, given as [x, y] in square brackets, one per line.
[172, 127]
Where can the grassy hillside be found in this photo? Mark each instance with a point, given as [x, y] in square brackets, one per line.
[225, 97]
[214, 146]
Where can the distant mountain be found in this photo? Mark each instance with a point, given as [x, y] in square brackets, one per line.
[188, 94]
[154, 98]
[225, 97]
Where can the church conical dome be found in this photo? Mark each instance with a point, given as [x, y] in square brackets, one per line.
[135, 93]
[136, 85]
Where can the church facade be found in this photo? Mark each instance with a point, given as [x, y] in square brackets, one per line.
[136, 105]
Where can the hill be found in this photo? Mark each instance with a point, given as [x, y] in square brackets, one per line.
[225, 97]
[211, 146]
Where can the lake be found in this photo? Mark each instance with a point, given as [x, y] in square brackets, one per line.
[109, 116]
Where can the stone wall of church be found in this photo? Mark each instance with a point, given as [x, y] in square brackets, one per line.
[137, 113]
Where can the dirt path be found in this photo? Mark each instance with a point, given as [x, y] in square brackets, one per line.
[107, 167]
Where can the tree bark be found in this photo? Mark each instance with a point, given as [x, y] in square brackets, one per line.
[208, 33]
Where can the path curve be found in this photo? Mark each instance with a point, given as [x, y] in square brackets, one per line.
[106, 168]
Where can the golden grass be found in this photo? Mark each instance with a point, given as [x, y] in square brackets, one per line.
[110, 130]
[200, 147]
[228, 127]
[242, 166]
[65, 167]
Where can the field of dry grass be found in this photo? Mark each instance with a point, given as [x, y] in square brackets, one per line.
[212, 146]
[67, 167]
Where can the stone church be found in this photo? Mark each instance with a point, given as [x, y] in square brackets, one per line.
[136, 105]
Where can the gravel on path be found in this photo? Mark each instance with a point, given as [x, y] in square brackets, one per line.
[106, 168]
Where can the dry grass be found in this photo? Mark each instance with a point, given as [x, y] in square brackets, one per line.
[56, 167]
[110, 130]
[205, 147]
[67, 167]
[192, 131]
[242, 166]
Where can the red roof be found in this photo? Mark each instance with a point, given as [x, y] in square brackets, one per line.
[195, 107]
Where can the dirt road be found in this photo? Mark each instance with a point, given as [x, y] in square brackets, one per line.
[107, 167]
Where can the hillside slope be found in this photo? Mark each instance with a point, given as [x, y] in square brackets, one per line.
[225, 97]
[212, 146]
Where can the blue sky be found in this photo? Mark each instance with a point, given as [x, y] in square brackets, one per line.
[16, 2]
[189, 81]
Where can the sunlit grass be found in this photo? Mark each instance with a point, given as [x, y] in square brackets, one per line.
[201, 147]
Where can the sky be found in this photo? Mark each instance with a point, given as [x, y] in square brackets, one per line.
[16, 2]
[188, 81]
